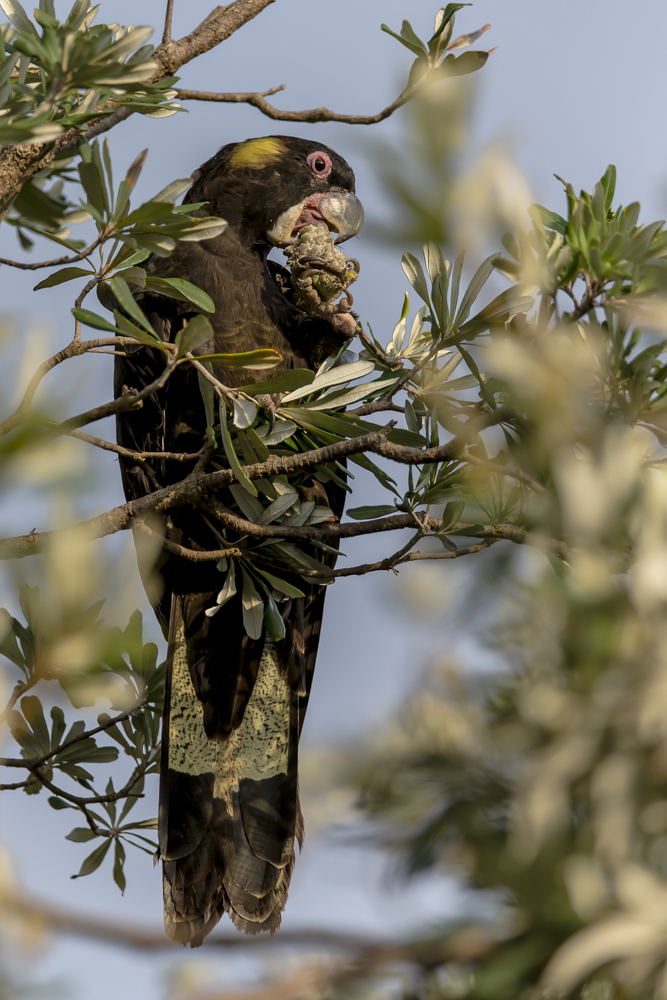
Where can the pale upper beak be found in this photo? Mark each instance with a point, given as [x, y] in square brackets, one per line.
[344, 214]
[340, 211]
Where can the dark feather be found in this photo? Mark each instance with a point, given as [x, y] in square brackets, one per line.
[229, 814]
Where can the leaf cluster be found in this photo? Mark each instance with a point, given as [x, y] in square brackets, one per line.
[54, 74]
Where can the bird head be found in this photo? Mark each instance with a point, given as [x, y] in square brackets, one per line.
[269, 188]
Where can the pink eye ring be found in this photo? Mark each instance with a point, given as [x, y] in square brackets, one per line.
[320, 163]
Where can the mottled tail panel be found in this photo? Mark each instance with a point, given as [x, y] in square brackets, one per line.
[229, 813]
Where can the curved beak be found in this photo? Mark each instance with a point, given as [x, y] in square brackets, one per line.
[343, 213]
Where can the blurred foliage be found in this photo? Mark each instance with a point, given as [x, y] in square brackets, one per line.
[547, 785]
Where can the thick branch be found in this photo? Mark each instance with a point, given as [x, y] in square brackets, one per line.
[190, 490]
[198, 487]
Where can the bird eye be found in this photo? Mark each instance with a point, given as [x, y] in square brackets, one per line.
[320, 163]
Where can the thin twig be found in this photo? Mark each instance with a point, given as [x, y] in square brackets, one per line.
[258, 100]
[90, 800]
[166, 34]
[57, 261]
[502, 470]
[376, 352]
[220, 387]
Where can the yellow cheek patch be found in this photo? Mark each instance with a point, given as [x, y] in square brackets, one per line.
[256, 154]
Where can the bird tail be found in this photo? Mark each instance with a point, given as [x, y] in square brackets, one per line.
[229, 812]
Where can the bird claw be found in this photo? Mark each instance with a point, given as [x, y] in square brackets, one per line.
[269, 405]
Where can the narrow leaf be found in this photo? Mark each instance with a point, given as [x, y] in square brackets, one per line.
[232, 457]
[64, 274]
[367, 513]
[184, 291]
[252, 608]
[196, 332]
[294, 378]
[415, 275]
[343, 373]
[94, 860]
[247, 359]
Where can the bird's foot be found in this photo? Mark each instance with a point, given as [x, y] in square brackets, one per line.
[269, 405]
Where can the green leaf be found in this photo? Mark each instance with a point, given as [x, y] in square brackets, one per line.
[334, 376]
[228, 591]
[282, 430]
[125, 298]
[455, 282]
[608, 183]
[367, 513]
[408, 38]
[81, 834]
[127, 329]
[480, 278]
[344, 398]
[32, 709]
[294, 378]
[89, 318]
[245, 412]
[18, 16]
[118, 862]
[415, 275]
[232, 457]
[278, 508]
[134, 276]
[127, 258]
[433, 259]
[249, 504]
[275, 625]
[65, 274]
[412, 420]
[171, 192]
[94, 860]
[247, 359]
[93, 184]
[184, 291]
[201, 229]
[196, 332]
[548, 219]
[57, 803]
[58, 726]
[468, 62]
[282, 585]
[252, 608]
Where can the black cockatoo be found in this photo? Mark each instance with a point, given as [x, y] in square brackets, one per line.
[229, 814]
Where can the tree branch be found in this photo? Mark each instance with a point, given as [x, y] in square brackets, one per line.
[258, 100]
[57, 260]
[91, 800]
[74, 349]
[198, 487]
[19, 162]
